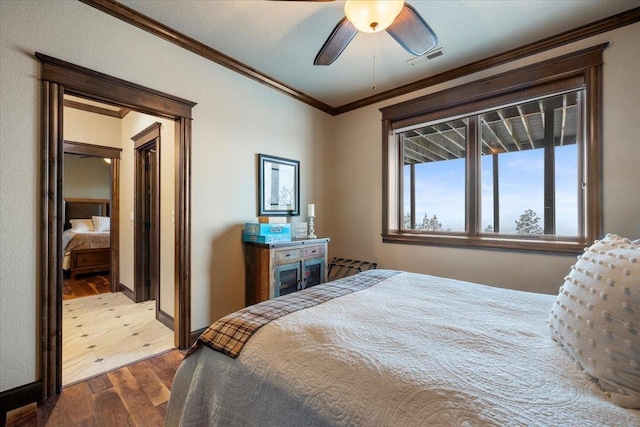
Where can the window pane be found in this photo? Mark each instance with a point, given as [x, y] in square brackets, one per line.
[434, 158]
[567, 190]
[530, 155]
[525, 168]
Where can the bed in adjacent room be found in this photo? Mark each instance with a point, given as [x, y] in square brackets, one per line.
[393, 348]
[86, 239]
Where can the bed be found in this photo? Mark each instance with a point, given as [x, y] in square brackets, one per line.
[385, 347]
[86, 239]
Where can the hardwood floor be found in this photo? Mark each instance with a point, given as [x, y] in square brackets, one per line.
[136, 395]
[85, 285]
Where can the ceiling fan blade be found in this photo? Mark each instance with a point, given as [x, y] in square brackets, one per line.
[340, 37]
[412, 32]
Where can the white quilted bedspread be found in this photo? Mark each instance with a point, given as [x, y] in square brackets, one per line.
[414, 350]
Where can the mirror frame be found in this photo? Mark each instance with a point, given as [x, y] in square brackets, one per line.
[263, 182]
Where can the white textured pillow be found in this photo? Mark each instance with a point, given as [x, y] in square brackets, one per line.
[80, 225]
[101, 223]
[596, 316]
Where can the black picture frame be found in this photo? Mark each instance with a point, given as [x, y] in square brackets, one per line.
[278, 186]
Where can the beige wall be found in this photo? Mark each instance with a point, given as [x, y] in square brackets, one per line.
[89, 177]
[132, 124]
[234, 120]
[86, 177]
[355, 156]
[91, 128]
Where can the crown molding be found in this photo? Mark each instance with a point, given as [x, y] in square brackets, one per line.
[598, 27]
[145, 23]
[154, 27]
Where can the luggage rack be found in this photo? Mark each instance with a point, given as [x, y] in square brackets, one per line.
[343, 267]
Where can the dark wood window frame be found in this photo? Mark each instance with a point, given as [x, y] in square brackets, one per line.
[582, 69]
[60, 77]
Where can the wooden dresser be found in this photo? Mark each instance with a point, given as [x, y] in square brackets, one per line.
[275, 269]
[89, 261]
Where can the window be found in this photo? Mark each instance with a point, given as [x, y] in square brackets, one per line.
[510, 162]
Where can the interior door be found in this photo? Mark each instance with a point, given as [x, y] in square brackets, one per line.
[153, 225]
[147, 223]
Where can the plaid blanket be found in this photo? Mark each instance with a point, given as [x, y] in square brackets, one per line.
[229, 334]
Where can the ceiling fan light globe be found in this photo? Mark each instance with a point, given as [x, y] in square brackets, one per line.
[372, 15]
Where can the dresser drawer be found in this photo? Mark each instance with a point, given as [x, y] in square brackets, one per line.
[288, 255]
[87, 259]
[314, 251]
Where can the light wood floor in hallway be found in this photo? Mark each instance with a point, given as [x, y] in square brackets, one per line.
[136, 395]
[103, 331]
[107, 331]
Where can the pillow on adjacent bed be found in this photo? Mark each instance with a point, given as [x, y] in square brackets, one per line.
[81, 225]
[101, 223]
[596, 316]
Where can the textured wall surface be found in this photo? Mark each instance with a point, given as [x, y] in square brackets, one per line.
[235, 119]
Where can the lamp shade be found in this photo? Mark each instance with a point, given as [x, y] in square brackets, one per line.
[372, 15]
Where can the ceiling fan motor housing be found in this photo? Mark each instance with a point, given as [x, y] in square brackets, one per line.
[398, 18]
[372, 15]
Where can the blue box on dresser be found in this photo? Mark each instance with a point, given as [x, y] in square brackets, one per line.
[257, 229]
[266, 238]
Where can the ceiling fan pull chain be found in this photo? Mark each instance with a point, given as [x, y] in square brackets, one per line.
[373, 87]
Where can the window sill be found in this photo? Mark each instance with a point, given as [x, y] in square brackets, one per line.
[487, 242]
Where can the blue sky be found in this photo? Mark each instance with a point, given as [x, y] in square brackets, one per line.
[440, 190]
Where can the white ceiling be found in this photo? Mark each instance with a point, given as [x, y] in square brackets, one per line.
[281, 38]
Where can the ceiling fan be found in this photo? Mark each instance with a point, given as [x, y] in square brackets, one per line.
[399, 18]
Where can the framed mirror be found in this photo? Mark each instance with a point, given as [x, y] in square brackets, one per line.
[278, 186]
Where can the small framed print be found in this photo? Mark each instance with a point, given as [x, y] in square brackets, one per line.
[301, 230]
[278, 186]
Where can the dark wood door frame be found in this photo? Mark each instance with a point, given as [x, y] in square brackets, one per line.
[147, 236]
[114, 208]
[60, 77]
